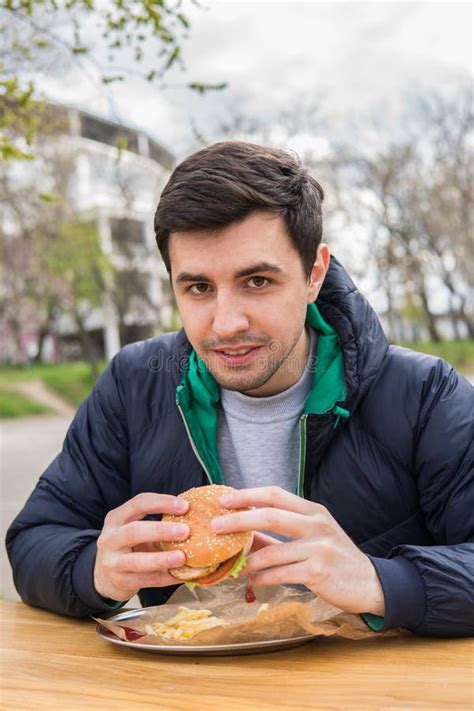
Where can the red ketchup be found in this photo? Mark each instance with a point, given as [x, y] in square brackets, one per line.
[132, 635]
[250, 595]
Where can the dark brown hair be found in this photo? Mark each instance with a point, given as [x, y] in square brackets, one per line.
[226, 182]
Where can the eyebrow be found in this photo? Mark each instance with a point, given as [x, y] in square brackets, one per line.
[246, 271]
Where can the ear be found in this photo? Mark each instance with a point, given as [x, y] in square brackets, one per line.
[318, 272]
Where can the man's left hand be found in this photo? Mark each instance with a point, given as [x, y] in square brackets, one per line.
[320, 555]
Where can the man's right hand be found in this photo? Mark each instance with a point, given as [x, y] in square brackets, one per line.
[127, 556]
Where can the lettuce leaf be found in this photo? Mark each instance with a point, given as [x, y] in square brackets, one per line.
[240, 563]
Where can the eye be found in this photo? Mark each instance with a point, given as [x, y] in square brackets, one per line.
[199, 288]
[259, 282]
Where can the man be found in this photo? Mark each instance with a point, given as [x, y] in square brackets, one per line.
[282, 384]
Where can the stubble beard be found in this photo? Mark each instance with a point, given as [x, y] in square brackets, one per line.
[241, 380]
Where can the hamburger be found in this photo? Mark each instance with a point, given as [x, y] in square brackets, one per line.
[211, 557]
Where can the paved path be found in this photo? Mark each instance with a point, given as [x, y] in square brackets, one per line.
[36, 390]
[27, 446]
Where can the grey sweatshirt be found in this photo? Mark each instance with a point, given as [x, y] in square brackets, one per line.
[258, 437]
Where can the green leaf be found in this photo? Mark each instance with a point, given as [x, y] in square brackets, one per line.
[8, 151]
[172, 58]
[48, 197]
[110, 80]
[122, 143]
[184, 21]
[202, 88]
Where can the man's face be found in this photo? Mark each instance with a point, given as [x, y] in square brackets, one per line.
[242, 296]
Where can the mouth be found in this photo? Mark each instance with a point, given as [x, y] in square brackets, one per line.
[234, 357]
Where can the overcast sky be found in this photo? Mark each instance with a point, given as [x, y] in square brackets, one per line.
[358, 55]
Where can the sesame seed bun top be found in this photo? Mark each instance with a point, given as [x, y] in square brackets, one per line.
[204, 547]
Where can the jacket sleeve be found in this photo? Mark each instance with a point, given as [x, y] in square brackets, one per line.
[430, 589]
[52, 542]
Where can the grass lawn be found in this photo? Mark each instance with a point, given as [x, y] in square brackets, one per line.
[71, 381]
[15, 404]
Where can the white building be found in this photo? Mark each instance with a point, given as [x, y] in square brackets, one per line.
[117, 190]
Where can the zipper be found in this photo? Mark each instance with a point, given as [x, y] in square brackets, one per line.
[193, 445]
[302, 455]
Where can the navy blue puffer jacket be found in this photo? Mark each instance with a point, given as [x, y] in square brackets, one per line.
[397, 473]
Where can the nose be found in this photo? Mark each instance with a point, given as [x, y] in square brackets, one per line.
[229, 318]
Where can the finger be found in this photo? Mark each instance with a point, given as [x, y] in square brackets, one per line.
[282, 575]
[276, 520]
[149, 562]
[136, 532]
[133, 582]
[144, 504]
[260, 540]
[158, 580]
[272, 496]
[282, 554]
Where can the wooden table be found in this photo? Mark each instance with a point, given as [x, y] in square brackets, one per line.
[52, 662]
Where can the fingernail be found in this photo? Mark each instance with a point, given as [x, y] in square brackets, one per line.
[226, 499]
[180, 530]
[218, 524]
[176, 558]
[181, 506]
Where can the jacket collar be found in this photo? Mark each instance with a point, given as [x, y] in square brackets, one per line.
[363, 342]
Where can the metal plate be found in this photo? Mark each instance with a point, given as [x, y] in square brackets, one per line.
[272, 645]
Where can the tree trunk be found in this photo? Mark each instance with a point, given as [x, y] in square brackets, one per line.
[384, 283]
[454, 318]
[429, 316]
[87, 346]
[15, 328]
[43, 333]
[469, 323]
[460, 314]
[454, 324]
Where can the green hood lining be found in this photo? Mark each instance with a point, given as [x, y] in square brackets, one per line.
[373, 622]
[198, 393]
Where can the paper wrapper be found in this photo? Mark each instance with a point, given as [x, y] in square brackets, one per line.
[291, 613]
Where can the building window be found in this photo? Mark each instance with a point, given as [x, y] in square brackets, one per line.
[109, 134]
[128, 236]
